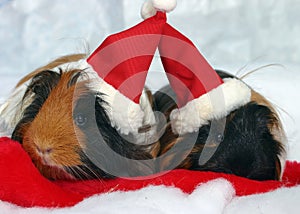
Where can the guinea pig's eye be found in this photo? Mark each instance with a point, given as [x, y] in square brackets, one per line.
[80, 119]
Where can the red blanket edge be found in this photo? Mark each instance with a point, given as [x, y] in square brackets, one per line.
[23, 185]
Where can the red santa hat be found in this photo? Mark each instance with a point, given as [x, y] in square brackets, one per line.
[121, 63]
[201, 94]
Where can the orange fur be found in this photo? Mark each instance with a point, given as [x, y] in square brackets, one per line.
[53, 130]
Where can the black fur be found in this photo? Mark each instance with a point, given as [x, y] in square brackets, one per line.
[245, 148]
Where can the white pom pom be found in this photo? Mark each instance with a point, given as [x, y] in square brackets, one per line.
[150, 7]
[148, 10]
[164, 5]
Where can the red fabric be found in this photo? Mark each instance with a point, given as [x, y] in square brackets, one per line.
[22, 184]
[189, 74]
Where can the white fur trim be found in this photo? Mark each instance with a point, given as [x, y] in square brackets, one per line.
[150, 7]
[215, 104]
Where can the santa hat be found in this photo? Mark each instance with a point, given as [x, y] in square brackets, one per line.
[201, 94]
[121, 64]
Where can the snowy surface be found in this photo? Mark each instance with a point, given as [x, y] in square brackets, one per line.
[235, 35]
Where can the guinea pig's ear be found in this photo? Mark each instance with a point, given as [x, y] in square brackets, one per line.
[38, 91]
[42, 83]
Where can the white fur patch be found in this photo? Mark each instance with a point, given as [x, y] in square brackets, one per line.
[11, 111]
[215, 104]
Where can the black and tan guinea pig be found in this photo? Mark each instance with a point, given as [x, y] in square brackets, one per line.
[249, 142]
[57, 117]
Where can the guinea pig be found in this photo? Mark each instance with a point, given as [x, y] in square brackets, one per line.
[249, 142]
[62, 124]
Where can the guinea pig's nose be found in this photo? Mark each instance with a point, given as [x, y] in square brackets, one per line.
[44, 151]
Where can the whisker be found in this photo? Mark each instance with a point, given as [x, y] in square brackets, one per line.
[276, 106]
[246, 65]
[260, 68]
[95, 175]
[83, 174]
[75, 171]
[71, 171]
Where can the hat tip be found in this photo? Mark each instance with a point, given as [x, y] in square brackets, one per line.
[150, 7]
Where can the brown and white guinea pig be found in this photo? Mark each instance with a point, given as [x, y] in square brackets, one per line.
[62, 124]
[249, 142]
